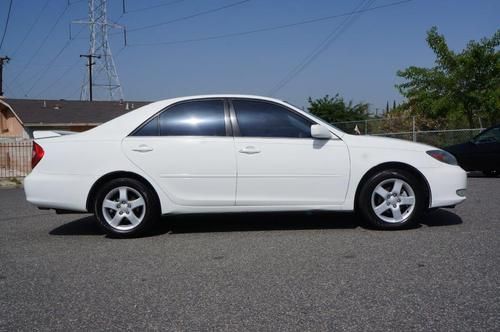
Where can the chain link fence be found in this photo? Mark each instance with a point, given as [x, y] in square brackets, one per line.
[15, 158]
[408, 128]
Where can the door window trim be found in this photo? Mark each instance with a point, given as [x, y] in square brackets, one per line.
[236, 127]
[227, 121]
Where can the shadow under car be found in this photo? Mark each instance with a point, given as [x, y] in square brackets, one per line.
[248, 222]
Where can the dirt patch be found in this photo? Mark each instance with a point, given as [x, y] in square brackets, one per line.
[12, 182]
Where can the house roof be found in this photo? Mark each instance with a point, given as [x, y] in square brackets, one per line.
[35, 112]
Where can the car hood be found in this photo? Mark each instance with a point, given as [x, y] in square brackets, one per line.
[378, 142]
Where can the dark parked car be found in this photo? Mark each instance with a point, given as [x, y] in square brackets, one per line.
[482, 153]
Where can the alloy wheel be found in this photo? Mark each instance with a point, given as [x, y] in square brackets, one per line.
[393, 200]
[124, 208]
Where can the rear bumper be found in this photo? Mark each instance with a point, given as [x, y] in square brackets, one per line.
[446, 184]
[56, 191]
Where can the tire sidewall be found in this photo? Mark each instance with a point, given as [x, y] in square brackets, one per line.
[365, 197]
[151, 205]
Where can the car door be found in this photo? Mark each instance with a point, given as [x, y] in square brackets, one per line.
[188, 151]
[278, 161]
[486, 155]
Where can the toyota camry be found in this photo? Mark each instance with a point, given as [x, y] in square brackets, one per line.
[235, 153]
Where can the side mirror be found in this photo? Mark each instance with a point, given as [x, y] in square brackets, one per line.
[318, 131]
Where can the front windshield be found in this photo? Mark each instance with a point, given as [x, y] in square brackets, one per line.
[490, 135]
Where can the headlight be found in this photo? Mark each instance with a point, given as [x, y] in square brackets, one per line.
[443, 156]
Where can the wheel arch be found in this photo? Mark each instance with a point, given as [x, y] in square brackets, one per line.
[116, 175]
[393, 165]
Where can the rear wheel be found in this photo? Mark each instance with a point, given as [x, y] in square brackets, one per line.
[126, 207]
[392, 199]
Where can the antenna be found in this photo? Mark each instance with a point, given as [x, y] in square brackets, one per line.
[105, 75]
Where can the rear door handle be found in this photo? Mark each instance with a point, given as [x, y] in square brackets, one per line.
[143, 148]
[250, 150]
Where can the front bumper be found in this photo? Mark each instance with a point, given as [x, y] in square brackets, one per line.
[448, 185]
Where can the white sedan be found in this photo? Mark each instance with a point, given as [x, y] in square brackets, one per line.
[235, 153]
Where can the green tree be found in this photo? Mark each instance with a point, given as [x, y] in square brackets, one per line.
[460, 85]
[335, 109]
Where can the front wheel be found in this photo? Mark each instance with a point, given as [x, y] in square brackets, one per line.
[126, 207]
[392, 199]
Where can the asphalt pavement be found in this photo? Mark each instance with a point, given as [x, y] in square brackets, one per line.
[253, 272]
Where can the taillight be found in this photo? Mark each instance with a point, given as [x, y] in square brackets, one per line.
[36, 155]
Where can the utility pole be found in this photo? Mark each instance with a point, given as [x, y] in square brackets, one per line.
[3, 59]
[90, 64]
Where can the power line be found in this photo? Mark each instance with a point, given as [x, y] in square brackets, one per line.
[117, 54]
[46, 69]
[272, 28]
[334, 35]
[77, 91]
[213, 10]
[59, 78]
[36, 65]
[35, 22]
[316, 51]
[43, 43]
[125, 11]
[153, 6]
[49, 65]
[6, 24]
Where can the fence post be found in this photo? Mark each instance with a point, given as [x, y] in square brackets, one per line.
[413, 130]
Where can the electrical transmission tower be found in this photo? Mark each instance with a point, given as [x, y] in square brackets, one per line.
[105, 77]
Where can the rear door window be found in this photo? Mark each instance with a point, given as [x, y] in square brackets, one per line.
[194, 118]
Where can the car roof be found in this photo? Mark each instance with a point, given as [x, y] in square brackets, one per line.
[209, 96]
[123, 125]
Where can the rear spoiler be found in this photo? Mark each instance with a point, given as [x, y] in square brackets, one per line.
[51, 133]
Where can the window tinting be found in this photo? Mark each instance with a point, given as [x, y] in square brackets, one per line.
[149, 129]
[194, 118]
[262, 119]
[492, 135]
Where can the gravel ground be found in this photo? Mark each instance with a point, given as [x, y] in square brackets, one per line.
[267, 272]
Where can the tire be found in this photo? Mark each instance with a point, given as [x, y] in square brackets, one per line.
[126, 207]
[379, 200]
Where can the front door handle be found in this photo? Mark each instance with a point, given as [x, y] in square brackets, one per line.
[143, 148]
[250, 150]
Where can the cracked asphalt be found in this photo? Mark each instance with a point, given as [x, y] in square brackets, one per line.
[253, 272]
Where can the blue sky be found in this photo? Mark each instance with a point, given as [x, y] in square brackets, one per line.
[360, 65]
